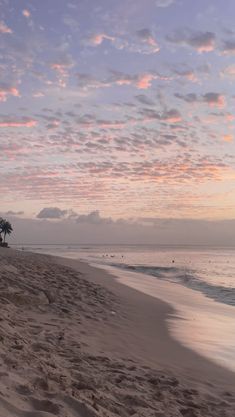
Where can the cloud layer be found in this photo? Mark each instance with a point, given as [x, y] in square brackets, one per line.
[127, 111]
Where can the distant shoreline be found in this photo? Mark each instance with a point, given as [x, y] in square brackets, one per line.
[157, 245]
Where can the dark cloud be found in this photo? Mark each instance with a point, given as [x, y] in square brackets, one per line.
[88, 81]
[211, 98]
[144, 34]
[201, 41]
[188, 98]
[93, 218]
[147, 38]
[214, 99]
[186, 74]
[143, 99]
[13, 213]
[228, 47]
[51, 213]
[172, 116]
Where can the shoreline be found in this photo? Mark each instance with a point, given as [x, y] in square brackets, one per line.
[75, 342]
[195, 317]
[162, 345]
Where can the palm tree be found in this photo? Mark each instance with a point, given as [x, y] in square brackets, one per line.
[1, 223]
[6, 228]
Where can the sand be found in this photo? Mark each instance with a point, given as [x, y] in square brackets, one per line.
[75, 342]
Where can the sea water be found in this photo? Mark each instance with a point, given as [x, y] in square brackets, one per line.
[198, 281]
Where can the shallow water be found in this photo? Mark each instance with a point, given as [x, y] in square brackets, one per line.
[200, 323]
[198, 281]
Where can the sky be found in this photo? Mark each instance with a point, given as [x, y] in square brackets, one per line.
[117, 112]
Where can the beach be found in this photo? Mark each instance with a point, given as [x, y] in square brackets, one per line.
[76, 342]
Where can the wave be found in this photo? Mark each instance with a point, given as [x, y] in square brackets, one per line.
[185, 277]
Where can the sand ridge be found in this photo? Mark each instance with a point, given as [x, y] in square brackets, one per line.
[52, 364]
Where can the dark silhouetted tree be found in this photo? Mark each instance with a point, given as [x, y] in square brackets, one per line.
[1, 223]
[6, 228]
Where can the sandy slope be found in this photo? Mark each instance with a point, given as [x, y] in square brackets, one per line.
[71, 347]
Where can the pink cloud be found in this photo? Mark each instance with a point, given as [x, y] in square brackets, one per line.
[62, 69]
[124, 81]
[230, 117]
[141, 81]
[190, 76]
[98, 38]
[145, 81]
[26, 13]
[4, 28]
[228, 138]
[53, 124]
[38, 94]
[152, 42]
[8, 91]
[26, 122]
[206, 48]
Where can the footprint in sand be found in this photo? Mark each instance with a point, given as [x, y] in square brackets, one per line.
[23, 390]
[45, 405]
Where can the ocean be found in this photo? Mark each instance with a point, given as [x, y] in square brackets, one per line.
[199, 282]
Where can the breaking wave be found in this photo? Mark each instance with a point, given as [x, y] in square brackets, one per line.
[185, 277]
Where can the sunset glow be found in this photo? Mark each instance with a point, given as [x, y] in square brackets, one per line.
[125, 108]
